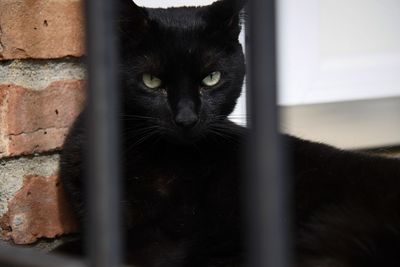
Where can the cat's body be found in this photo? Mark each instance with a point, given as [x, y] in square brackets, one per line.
[347, 207]
[182, 72]
[181, 203]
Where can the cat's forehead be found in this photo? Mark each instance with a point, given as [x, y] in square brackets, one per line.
[178, 17]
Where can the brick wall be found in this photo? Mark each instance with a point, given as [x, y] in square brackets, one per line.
[41, 92]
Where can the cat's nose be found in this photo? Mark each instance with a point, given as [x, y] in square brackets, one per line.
[186, 119]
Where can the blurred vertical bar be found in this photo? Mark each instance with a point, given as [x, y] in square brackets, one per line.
[267, 189]
[103, 227]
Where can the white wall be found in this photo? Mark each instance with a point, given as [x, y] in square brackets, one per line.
[338, 50]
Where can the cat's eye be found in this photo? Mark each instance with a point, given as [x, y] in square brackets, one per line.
[212, 79]
[151, 81]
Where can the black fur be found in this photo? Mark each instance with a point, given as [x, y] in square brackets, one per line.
[347, 207]
[182, 157]
[181, 203]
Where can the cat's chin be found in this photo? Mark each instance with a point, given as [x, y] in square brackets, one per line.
[183, 137]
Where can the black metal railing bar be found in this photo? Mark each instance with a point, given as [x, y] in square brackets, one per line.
[267, 190]
[103, 227]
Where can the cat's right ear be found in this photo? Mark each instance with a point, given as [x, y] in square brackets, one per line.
[225, 16]
[133, 20]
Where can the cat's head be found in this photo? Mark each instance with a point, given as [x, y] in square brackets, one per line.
[182, 68]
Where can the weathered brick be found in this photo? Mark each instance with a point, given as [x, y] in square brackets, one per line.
[13, 171]
[41, 29]
[38, 209]
[35, 121]
[3, 113]
[35, 142]
[54, 107]
[39, 99]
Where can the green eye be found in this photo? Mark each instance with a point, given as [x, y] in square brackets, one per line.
[212, 79]
[151, 81]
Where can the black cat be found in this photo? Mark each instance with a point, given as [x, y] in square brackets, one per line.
[182, 72]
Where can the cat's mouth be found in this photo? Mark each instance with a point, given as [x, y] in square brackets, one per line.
[184, 136]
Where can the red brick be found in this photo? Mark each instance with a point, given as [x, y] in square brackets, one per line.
[35, 121]
[38, 141]
[39, 209]
[54, 107]
[41, 29]
[3, 113]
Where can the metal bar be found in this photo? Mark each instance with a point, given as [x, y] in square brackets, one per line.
[104, 244]
[23, 257]
[267, 190]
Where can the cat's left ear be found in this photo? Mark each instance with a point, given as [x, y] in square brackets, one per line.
[133, 20]
[226, 16]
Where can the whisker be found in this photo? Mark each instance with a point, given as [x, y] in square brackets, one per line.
[223, 135]
[133, 132]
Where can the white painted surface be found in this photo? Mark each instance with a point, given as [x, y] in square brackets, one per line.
[338, 50]
[350, 125]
